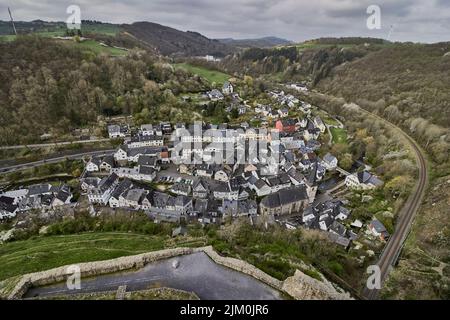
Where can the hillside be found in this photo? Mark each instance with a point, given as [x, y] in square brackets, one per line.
[51, 86]
[169, 41]
[266, 42]
[151, 36]
[57, 28]
[416, 78]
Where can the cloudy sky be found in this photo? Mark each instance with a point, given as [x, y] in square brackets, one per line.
[297, 20]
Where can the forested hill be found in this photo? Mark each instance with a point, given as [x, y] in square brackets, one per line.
[414, 78]
[265, 42]
[409, 84]
[169, 41]
[47, 86]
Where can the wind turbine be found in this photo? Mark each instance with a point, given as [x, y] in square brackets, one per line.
[12, 21]
[391, 30]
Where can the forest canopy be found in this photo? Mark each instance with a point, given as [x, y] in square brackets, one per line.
[50, 87]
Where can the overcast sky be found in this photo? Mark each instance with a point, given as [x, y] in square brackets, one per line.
[297, 20]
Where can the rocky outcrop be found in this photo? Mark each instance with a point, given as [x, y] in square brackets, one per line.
[303, 287]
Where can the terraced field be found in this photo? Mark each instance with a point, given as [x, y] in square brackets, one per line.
[210, 75]
[339, 135]
[42, 253]
[96, 47]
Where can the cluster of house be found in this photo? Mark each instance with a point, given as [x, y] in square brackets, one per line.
[284, 187]
[39, 196]
[279, 176]
[298, 86]
[148, 131]
[216, 95]
[284, 99]
[290, 101]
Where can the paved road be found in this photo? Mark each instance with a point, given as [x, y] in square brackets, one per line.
[52, 144]
[406, 215]
[77, 156]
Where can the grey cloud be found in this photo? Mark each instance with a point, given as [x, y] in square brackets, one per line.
[415, 20]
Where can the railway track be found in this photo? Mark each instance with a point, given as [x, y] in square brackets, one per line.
[406, 215]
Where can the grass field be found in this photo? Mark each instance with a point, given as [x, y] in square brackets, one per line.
[106, 29]
[339, 135]
[97, 48]
[43, 253]
[210, 75]
[7, 37]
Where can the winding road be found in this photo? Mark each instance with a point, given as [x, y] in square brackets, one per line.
[33, 164]
[406, 215]
[53, 144]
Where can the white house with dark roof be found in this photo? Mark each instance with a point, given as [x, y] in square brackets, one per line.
[330, 162]
[378, 230]
[116, 131]
[7, 208]
[319, 124]
[146, 141]
[94, 164]
[103, 191]
[215, 95]
[227, 88]
[200, 189]
[132, 198]
[363, 181]
[107, 163]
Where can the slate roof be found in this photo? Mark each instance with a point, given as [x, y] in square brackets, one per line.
[182, 201]
[285, 197]
[96, 160]
[109, 160]
[200, 185]
[201, 205]
[343, 241]
[38, 189]
[288, 122]
[147, 160]
[378, 226]
[329, 158]
[294, 174]
[366, 178]
[107, 182]
[63, 194]
[259, 184]
[338, 228]
[6, 204]
[135, 195]
[146, 170]
[160, 199]
[121, 188]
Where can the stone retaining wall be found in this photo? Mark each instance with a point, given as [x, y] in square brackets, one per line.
[90, 269]
[300, 286]
[243, 267]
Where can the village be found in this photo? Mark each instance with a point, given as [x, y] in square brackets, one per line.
[210, 174]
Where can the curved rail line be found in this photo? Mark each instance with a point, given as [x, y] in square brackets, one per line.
[394, 246]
